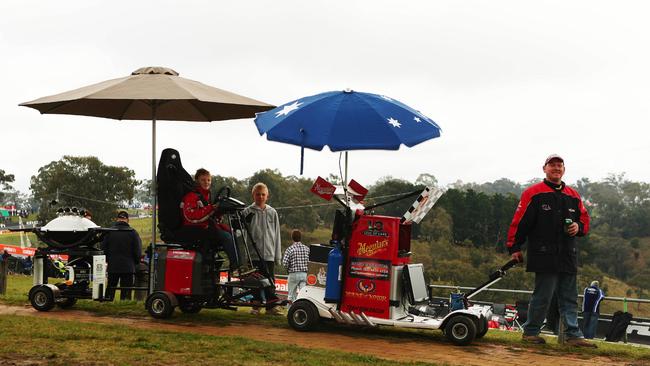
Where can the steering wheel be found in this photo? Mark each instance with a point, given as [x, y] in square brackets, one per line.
[220, 194]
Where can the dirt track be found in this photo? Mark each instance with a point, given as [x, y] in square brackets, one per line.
[401, 349]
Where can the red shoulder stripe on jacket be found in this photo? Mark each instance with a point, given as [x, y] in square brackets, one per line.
[515, 237]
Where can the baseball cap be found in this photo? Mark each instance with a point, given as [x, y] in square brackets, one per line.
[553, 157]
[122, 215]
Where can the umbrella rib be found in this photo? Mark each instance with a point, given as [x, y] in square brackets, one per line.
[57, 106]
[329, 131]
[392, 130]
[128, 105]
[192, 102]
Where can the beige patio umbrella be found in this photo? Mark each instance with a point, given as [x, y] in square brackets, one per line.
[155, 93]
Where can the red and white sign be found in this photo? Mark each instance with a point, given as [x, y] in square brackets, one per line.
[358, 191]
[24, 252]
[323, 188]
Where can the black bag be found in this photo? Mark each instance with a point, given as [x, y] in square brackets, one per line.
[173, 182]
[619, 324]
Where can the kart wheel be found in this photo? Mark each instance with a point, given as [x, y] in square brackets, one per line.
[189, 307]
[460, 330]
[67, 302]
[482, 327]
[42, 299]
[303, 316]
[159, 305]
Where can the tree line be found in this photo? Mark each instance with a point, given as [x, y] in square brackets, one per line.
[468, 215]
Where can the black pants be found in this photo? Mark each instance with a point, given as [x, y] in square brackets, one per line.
[269, 292]
[125, 280]
[270, 268]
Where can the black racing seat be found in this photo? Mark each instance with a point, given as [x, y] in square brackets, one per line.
[173, 182]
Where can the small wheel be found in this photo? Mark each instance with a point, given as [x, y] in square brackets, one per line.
[67, 302]
[159, 305]
[303, 316]
[189, 307]
[460, 330]
[42, 299]
[482, 327]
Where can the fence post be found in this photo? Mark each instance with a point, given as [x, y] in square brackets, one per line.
[625, 311]
[3, 276]
[561, 339]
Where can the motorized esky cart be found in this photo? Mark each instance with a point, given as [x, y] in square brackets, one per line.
[365, 278]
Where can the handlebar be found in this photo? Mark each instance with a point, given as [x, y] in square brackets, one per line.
[511, 263]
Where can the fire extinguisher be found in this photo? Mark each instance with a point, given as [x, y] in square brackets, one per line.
[333, 279]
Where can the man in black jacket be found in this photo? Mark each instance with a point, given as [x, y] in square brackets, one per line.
[548, 218]
[122, 249]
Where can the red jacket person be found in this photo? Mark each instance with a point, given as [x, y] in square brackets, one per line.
[548, 218]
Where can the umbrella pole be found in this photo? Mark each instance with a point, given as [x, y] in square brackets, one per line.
[345, 177]
[345, 180]
[154, 200]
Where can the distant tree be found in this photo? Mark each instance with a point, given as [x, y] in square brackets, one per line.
[142, 192]
[389, 188]
[238, 188]
[428, 180]
[274, 181]
[5, 179]
[437, 225]
[83, 182]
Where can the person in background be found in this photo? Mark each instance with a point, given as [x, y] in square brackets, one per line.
[122, 249]
[593, 295]
[549, 216]
[28, 265]
[295, 261]
[5, 256]
[265, 232]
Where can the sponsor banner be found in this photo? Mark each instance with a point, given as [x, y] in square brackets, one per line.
[374, 269]
[25, 252]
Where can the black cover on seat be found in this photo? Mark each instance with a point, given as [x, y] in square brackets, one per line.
[172, 183]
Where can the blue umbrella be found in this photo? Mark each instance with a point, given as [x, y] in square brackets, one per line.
[346, 120]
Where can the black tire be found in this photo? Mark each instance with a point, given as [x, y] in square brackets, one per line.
[460, 330]
[303, 316]
[188, 307]
[482, 327]
[67, 302]
[159, 305]
[42, 298]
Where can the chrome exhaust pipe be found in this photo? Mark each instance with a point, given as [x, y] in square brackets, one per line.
[367, 321]
[335, 315]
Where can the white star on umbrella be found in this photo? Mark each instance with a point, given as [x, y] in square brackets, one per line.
[393, 122]
[417, 119]
[287, 109]
[387, 98]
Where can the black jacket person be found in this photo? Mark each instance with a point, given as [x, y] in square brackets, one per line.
[122, 249]
[549, 217]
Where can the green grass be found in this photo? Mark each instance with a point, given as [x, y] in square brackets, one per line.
[14, 239]
[73, 343]
[18, 287]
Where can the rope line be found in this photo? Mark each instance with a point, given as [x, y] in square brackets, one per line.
[334, 203]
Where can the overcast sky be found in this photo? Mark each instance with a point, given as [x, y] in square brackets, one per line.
[510, 82]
